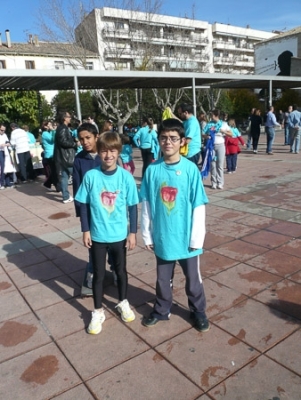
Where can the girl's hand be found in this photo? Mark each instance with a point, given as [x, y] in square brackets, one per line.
[87, 239]
[131, 241]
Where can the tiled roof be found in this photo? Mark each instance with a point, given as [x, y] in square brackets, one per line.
[291, 32]
[46, 49]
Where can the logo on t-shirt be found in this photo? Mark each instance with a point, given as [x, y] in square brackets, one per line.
[168, 196]
[108, 200]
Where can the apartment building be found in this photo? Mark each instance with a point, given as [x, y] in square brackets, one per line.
[131, 40]
[44, 55]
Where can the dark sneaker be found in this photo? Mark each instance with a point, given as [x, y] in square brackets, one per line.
[150, 321]
[201, 324]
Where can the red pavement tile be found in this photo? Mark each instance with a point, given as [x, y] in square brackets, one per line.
[207, 358]
[286, 228]
[38, 374]
[12, 305]
[296, 277]
[154, 376]
[114, 345]
[257, 221]
[292, 248]
[138, 293]
[138, 264]
[286, 352]
[20, 335]
[9, 235]
[212, 263]
[164, 330]
[36, 273]
[261, 379]
[68, 317]
[50, 292]
[276, 262]
[233, 229]
[266, 239]
[6, 285]
[284, 296]
[246, 279]
[254, 331]
[226, 214]
[240, 250]
[19, 260]
[218, 297]
[79, 392]
[213, 239]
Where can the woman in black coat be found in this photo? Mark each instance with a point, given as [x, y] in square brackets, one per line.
[256, 122]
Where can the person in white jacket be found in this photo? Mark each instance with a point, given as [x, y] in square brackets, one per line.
[19, 140]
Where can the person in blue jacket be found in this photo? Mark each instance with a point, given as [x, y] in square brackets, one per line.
[144, 139]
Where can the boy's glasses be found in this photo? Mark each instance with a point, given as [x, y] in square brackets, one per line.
[172, 139]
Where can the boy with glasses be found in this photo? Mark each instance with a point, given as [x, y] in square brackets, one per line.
[173, 224]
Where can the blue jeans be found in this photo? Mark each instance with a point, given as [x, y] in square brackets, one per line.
[66, 172]
[286, 134]
[295, 140]
[270, 133]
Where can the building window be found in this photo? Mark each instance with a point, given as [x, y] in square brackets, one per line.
[2, 64]
[89, 65]
[29, 64]
[119, 25]
[59, 65]
[121, 66]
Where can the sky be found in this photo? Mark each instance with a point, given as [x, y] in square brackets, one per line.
[20, 16]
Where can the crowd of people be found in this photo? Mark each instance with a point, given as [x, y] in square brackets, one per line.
[176, 158]
[289, 121]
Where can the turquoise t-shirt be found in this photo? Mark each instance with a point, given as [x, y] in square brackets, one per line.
[193, 132]
[144, 137]
[108, 197]
[173, 192]
[48, 143]
[126, 153]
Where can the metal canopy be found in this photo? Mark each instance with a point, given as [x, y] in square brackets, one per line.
[64, 80]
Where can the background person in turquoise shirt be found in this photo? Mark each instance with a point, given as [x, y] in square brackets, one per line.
[144, 139]
[192, 132]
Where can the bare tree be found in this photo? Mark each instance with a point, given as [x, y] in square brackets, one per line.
[116, 104]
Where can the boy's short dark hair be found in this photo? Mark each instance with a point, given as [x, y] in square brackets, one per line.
[186, 107]
[86, 126]
[109, 141]
[172, 124]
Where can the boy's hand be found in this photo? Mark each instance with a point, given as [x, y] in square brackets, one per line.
[149, 247]
[87, 239]
[131, 241]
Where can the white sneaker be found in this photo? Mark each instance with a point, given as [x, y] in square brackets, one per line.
[127, 315]
[68, 200]
[2, 187]
[95, 326]
[89, 279]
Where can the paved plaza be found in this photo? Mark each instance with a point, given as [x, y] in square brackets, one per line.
[251, 269]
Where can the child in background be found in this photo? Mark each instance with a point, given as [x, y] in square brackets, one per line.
[232, 147]
[126, 154]
[173, 224]
[84, 161]
[107, 194]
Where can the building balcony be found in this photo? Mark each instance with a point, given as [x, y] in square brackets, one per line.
[235, 61]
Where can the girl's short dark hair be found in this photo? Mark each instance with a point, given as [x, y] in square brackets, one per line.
[109, 141]
[86, 126]
[172, 124]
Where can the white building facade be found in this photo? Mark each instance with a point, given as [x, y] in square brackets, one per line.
[131, 40]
